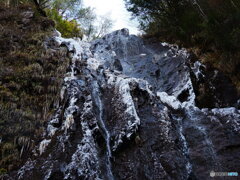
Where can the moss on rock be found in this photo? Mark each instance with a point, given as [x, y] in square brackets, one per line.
[31, 76]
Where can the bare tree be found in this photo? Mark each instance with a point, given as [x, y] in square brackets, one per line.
[104, 26]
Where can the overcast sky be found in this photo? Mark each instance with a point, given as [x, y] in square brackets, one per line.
[116, 10]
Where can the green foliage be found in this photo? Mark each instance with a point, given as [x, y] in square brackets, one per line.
[67, 28]
[71, 18]
[67, 8]
[61, 11]
[2, 171]
[216, 21]
[64, 13]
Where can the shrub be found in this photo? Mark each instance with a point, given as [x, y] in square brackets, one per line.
[67, 28]
[2, 171]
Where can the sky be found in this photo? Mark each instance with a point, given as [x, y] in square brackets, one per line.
[116, 10]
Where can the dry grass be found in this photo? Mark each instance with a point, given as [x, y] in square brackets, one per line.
[30, 81]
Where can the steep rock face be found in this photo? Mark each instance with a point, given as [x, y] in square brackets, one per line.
[128, 112]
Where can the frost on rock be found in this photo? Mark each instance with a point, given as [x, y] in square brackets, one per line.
[43, 145]
[185, 148]
[85, 159]
[123, 86]
[225, 111]
[25, 169]
[69, 121]
[48, 173]
[182, 88]
[103, 107]
[93, 63]
[165, 44]
[169, 100]
[186, 87]
[51, 129]
[231, 115]
[197, 70]
[130, 113]
[124, 91]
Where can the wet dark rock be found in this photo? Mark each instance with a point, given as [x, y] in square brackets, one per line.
[214, 89]
[117, 65]
[138, 120]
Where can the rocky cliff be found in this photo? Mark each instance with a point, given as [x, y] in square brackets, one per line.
[131, 109]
